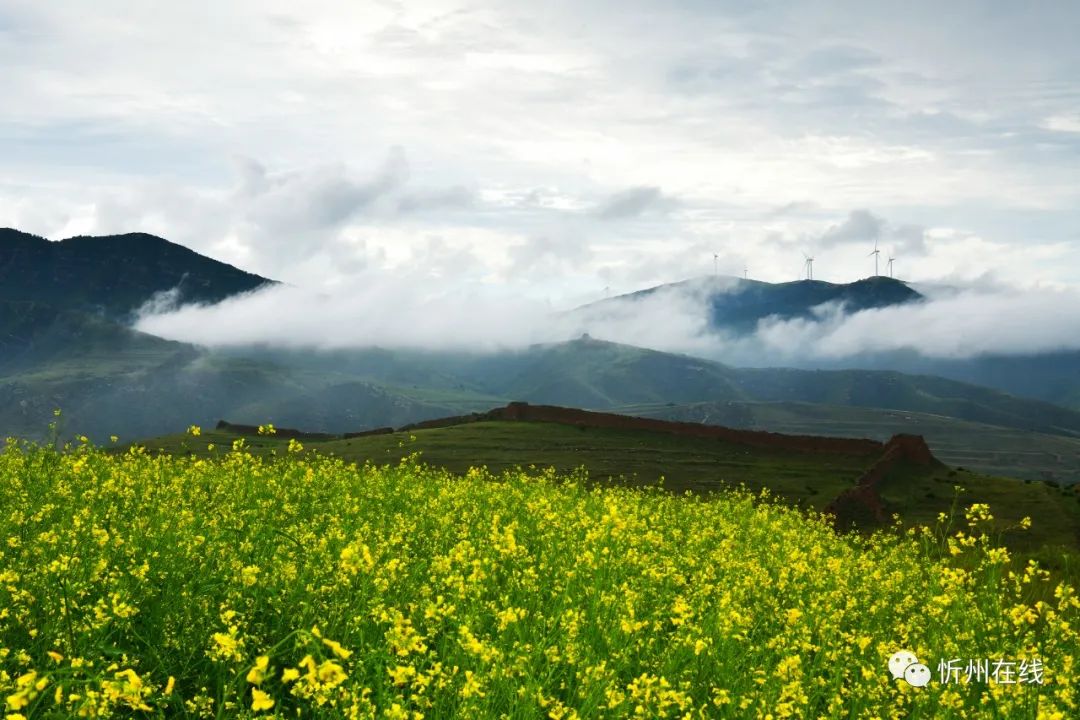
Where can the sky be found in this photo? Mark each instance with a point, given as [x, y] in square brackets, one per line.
[554, 151]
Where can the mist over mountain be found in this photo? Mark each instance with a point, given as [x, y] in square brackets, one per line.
[738, 305]
[133, 335]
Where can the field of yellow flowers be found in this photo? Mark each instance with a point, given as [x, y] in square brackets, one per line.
[300, 586]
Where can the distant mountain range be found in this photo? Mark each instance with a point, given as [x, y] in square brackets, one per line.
[65, 342]
[736, 306]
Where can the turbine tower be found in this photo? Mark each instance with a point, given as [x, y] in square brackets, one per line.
[875, 253]
[890, 264]
[745, 272]
[809, 267]
[715, 264]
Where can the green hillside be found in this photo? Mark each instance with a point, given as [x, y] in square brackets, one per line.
[977, 446]
[604, 375]
[642, 457]
[595, 374]
[34, 335]
[151, 387]
[897, 391]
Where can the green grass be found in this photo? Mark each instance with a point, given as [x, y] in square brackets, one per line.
[641, 457]
[988, 449]
[637, 457]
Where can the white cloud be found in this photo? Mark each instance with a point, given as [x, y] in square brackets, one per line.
[1063, 123]
[957, 325]
[413, 309]
[521, 120]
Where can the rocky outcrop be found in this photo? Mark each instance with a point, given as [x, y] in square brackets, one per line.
[862, 505]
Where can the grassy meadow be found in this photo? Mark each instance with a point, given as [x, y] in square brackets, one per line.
[300, 584]
[701, 465]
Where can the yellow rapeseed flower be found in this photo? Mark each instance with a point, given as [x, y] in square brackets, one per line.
[259, 670]
[260, 700]
[337, 648]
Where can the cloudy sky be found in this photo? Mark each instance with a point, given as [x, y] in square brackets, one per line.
[558, 148]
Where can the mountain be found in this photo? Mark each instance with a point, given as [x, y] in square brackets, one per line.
[111, 275]
[597, 374]
[1051, 377]
[33, 334]
[602, 375]
[737, 305]
[899, 391]
[64, 342]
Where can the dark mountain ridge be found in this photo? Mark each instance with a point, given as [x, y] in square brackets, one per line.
[112, 275]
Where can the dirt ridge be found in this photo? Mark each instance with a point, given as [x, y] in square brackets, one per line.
[524, 412]
[859, 505]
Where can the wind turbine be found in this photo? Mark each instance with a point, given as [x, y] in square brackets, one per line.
[891, 260]
[745, 271]
[875, 253]
[809, 267]
[715, 264]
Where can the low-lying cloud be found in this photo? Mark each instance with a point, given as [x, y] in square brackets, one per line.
[962, 325]
[421, 314]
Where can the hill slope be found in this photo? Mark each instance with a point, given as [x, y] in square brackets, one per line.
[701, 464]
[602, 375]
[33, 335]
[987, 449]
[112, 275]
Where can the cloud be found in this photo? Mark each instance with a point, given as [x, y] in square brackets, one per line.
[321, 198]
[908, 240]
[962, 325]
[860, 226]
[558, 252]
[633, 202]
[411, 310]
[838, 59]
[456, 197]
[119, 118]
[415, 309]
[866, 228]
